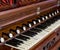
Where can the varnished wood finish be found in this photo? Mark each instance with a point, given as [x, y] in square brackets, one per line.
[17, 17]
[4, 47]
[56, 46]
[5, 7]
[20, 12]
[10, 4]
[10, 19]
[18, 23]
[44, 43]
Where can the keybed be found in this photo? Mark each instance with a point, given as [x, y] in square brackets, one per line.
[29, 25]
[11, 33]
[34, 35]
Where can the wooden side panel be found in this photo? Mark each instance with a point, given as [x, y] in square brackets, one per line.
[3, 47]
[56, 46]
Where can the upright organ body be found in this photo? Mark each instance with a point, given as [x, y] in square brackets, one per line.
[30, 25]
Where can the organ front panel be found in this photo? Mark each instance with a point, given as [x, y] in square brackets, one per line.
[29, 24]
[57, 46]
[11, 4]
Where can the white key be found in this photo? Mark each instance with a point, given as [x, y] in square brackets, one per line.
[38, 35]
[26, 47]
[22, 46]
[49, 28]
[32, 43]
[42, 35]
[30, 38]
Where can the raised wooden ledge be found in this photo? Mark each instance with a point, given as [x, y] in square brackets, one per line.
[17, 14]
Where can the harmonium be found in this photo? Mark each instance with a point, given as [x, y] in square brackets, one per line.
[29, 24]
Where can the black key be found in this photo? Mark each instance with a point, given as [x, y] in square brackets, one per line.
[36, 30]
[14, 42]
[46, 23]
[17, 41]
[29, 33]
[22, 37]
[42, 26]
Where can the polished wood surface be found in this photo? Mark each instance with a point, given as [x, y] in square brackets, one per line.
[10, 4]
[26, 11]
[46, 43]
[18, 23]
[56, 46]
[4, 47]
[10, 19]
[17, 17]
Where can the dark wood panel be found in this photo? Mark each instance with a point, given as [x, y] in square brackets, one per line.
[56, 46]
[10, 4]
[3, 47]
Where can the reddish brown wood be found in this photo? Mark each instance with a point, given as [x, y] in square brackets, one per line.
[27, 11]
[10, 4]
[19, 16]
[3, 47]
[56, 46]
[41, 44]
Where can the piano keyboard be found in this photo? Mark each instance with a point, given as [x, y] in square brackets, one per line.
[28, 39]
